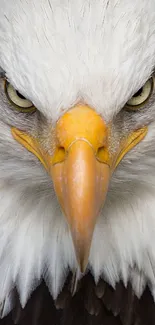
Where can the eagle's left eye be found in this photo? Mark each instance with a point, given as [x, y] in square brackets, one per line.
[141, 96]
[18, 101]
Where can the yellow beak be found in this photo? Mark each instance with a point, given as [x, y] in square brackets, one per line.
[80, 168]
[81, 184]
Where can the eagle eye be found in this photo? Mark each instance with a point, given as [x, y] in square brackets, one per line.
[141, 96]
[18, 101]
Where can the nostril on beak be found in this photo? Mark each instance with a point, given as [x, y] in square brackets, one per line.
[59, 155]
[102, 154]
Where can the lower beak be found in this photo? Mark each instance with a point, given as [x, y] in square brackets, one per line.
[80, 169]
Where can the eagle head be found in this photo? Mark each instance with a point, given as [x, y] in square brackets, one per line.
[77, 133]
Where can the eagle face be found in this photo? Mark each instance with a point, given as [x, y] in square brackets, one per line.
[77, 103]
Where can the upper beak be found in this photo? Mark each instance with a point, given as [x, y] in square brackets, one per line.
[80, 169]
[80, 179]
[81, 184]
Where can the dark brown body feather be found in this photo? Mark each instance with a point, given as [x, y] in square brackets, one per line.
[91, 305]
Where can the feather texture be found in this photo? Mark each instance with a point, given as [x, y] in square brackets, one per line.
[112, 307]
[68, 56]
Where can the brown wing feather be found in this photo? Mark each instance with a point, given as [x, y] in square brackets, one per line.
[91, 305]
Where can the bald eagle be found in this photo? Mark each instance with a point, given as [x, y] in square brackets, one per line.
[77, 162]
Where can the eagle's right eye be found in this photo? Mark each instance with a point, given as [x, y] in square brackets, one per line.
[18, 101]
[141, 96]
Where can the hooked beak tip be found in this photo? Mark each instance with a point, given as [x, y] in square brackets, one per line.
[83, 265]
[82, 250]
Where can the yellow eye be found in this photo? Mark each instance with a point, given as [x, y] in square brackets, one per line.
[142, 95]
[17, 100]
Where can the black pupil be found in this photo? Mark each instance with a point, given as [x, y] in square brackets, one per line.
[138, 93]
[19, 95]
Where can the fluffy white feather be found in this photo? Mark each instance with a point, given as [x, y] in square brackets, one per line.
[59, 53]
